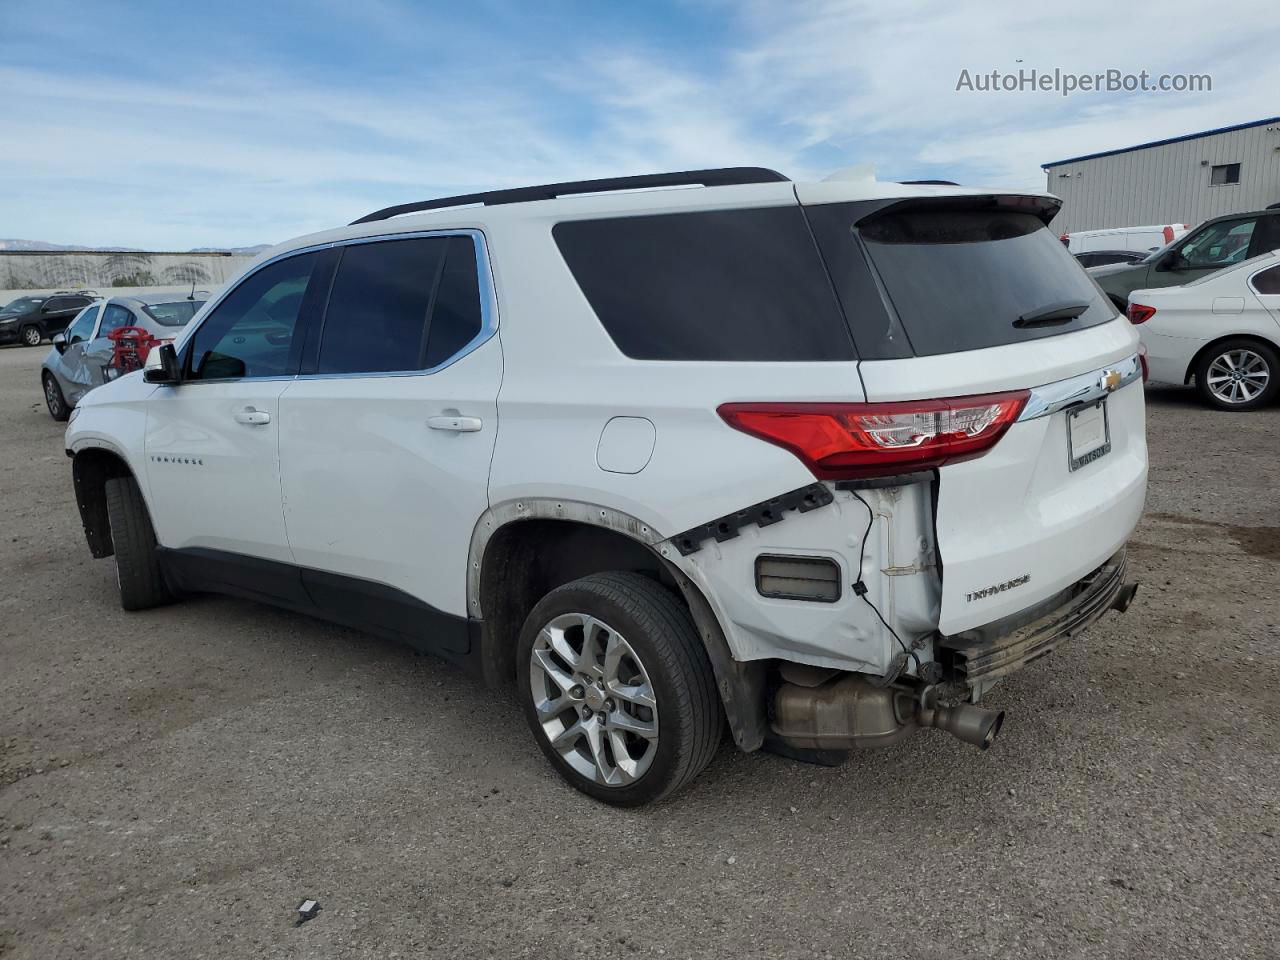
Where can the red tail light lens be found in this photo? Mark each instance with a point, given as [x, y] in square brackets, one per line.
[856, 440]
[1140, 314]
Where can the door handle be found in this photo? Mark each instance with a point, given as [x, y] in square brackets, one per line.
[252, 417]
[455, 424]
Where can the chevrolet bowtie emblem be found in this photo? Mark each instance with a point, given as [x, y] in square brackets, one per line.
[1109, 380]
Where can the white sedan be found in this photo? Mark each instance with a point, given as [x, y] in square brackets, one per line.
[1222, 330]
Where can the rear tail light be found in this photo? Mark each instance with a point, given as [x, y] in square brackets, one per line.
[855, 440]
[1139, 314]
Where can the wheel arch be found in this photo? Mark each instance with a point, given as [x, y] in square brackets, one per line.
[1218, 341]
[521, 550]
[91, 468]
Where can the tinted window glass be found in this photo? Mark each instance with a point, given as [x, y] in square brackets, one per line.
[712, 285]
[251, 332]
[962, 278]
[455, 317]
[114, 318]
[400, 305]
[82, 329]
[1268, 281]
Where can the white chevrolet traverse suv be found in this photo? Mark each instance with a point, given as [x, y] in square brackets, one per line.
[821, 461]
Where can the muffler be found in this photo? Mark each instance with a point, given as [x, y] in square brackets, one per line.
[850, 712]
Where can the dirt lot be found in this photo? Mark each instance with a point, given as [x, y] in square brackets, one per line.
[174, 783]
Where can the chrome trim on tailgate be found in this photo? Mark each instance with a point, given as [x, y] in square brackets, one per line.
[1085, 388]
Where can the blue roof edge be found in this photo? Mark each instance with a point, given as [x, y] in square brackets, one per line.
[1161, 143]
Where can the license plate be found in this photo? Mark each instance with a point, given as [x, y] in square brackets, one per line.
[1088, 435]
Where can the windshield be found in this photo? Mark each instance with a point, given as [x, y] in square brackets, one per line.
[22, 304]
[176, 314]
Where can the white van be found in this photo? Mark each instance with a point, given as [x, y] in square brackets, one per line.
[1140, 239]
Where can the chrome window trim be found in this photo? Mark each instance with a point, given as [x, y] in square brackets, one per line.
[1081, 389]
[485, 283]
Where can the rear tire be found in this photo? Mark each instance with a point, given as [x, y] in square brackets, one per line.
[54, 399]
[137, 564]
[31, 336]
[611, 666]
[1238, 375]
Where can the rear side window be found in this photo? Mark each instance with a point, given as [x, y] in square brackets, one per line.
[1268, 281]
[400, 305]
[958, 278]
[713, 285]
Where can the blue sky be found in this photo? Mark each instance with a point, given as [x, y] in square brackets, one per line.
[174, 125]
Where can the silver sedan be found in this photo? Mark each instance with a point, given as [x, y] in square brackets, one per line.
[81, 357]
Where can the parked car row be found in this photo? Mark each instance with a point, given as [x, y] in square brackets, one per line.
[94, 348]
[1207, 308]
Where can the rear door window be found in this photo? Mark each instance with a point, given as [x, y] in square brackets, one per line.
[401, 305]
[951, 277]
[713, 285]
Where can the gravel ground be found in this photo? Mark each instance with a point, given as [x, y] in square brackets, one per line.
[174, 783]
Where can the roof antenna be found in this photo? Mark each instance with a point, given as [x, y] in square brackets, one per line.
[192, 294]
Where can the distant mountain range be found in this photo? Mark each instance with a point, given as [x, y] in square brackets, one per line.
[40, 245]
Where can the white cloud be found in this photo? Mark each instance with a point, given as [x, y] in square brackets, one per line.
[247, 149]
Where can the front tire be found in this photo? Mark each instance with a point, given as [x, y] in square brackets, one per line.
[1238, 375]
[31, 336]
[54, 399]
[137, 564]
[617, 688]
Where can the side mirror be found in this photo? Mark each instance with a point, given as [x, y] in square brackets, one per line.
[60, 342]
[1173, 261]
[164, 368]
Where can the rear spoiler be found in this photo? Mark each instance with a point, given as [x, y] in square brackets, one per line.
[1044, 207]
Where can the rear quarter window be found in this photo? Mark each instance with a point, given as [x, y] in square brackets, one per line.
[734, 285]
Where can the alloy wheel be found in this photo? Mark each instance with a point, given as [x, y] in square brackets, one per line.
[31, 336]
[52, 397]
[1238, 376]
[594, 700]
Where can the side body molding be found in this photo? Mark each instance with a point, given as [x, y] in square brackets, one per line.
[741, 685]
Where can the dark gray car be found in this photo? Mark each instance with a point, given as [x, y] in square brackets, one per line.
[81, 357]
[1215, 244]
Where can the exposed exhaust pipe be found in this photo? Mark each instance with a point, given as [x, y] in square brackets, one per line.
[851, 712]
[964, 721]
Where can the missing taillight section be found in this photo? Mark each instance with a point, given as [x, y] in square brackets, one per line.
[1138, 313]
[839, 441]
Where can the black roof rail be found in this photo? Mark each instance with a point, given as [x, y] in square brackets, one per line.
[928, 183]
[718, 177]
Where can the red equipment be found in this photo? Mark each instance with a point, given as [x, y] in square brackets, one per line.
[129, 348]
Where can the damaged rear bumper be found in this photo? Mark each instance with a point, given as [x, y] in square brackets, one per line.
[825, 710]
[1005, 646]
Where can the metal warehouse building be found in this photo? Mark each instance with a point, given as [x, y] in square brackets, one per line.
[1181, 180]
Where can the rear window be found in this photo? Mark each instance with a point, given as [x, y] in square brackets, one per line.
[737, 285]
[953, 279]
[175, 314]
